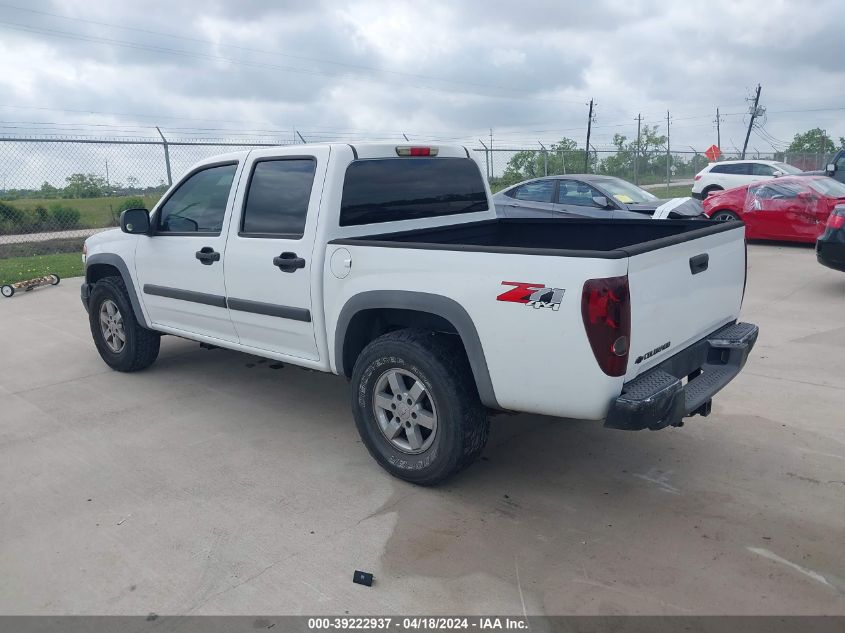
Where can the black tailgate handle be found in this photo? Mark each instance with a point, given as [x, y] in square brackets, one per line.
[699, 263]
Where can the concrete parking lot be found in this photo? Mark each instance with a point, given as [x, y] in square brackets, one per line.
[213, 483]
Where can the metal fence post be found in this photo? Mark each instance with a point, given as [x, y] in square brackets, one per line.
[487, 158]
[166, 157]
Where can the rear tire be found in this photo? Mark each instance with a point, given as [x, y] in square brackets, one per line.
[122, 342]
[7, 291]
[723, 215]
[434, 379]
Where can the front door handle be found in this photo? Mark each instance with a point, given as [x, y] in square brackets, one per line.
[207, 255]
[288, 262]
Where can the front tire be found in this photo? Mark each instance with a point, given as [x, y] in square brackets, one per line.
[122, 342]
[416, 406]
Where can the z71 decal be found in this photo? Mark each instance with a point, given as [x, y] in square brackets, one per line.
[533, 295]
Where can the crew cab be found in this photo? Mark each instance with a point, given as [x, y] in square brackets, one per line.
[387, 264]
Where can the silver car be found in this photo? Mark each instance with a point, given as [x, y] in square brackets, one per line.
[584, 195]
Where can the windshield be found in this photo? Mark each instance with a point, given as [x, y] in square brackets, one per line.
[828, 187]
[625, 192]
[787, 169]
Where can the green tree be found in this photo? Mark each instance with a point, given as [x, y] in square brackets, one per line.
[652, 155]
[84, 186]
[815, 141]
[49, 191]
[560, 158]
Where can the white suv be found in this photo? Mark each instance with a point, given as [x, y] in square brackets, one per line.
[734, 173]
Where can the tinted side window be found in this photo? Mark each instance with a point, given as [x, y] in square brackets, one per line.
[391, 189]
[758, 169]
[277, 198]
[199, 204]
[741, 169]
[577, 193]
[537, 191]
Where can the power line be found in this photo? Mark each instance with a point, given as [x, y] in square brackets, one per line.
[267, 52]
[240, 62]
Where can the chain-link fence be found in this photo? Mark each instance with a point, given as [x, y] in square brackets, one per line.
[507, 166]
[56, 192]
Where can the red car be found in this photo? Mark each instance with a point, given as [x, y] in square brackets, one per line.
[790, 208]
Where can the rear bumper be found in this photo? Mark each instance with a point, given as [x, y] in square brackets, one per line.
[659, 398]
[831, 253]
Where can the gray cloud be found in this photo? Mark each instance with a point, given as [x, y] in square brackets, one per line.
[438, 69]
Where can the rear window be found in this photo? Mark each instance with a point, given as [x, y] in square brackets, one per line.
[391, 189]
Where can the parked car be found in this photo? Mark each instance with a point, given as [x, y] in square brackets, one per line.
[830, 247]
[728, 174]
[387, 264]
[792, 208]
[583, 195]
[835, 168]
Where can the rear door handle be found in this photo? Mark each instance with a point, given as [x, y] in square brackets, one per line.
[288, 262]
[699, 263]
[207, 255]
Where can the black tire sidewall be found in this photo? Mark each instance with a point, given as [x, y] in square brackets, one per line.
[445, 453]
[101, 291]
[733, 215]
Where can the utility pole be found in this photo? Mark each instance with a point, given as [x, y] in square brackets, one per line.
[754, 113]
[107, 173]
[587, 146]
[637, 155]
[668, 153]
[718, 129]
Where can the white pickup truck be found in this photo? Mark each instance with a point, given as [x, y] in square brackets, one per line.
[387, 264]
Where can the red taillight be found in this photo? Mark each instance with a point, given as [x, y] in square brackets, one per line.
[408, 150]
[606, 310]
[698, 177]
[836, 221]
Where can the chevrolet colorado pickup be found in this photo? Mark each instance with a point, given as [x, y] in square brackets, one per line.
[387, 264]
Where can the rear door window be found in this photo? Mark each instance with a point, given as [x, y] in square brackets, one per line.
[392, 189]
[277, 199]
[759, 169]
[537, 191]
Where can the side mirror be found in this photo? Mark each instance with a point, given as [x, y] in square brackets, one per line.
[778, 174]
[601, 202]
[807, 195]
[135, 221]
[831, 168]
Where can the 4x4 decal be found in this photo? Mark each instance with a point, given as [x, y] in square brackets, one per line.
[533, 295]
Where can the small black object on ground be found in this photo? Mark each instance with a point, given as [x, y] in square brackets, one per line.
[362, 578]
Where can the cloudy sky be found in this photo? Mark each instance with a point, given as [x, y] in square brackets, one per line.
[428, 69]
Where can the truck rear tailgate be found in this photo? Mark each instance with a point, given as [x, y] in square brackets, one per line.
[681, 293]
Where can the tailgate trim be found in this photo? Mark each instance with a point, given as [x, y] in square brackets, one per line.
[658, 398]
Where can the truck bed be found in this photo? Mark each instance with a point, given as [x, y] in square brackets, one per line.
[609, 239]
